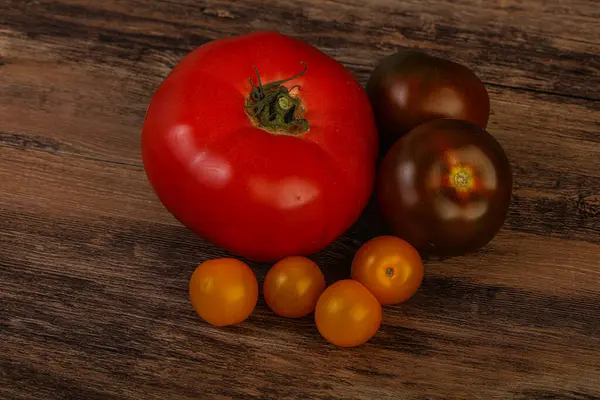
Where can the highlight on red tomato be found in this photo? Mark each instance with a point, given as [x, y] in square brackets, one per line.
[410, 87]
[262, 145]
[347, 314]
[223, 291]
[389, 267]
[445, 187]
[293, 286]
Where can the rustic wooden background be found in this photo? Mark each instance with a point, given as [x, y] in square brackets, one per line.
[94, 272]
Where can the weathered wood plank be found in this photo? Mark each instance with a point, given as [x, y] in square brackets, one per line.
[97, 110]
[106, 297]
[55, 182]
[527, 44]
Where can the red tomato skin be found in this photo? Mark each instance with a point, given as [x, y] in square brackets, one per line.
[259, 195]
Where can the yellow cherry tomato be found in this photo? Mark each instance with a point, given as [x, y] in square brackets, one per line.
[390, 268]
[223, 291]
[293, 286]
[347, 314]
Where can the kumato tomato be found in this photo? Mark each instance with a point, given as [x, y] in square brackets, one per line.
[409, 88]
[293, 286]
[347, 314]
[445, 187]
[223, 291]
[261, 144]
[389, 267]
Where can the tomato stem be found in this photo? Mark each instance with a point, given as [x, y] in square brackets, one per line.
[273, 108]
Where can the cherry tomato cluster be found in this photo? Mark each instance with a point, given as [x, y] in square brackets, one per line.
[385, 270]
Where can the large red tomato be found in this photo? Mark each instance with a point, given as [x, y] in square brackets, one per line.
[255, 162]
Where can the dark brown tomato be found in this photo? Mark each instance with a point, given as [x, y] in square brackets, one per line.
[410, 87]
[445, 187]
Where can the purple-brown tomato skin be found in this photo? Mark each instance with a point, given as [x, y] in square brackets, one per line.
[409, 88]
[445, 187]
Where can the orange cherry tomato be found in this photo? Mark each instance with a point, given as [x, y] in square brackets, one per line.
[347, 314]
[390, 268]
[293, 286]
[223, 291]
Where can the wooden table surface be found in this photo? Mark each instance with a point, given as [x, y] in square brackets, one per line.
[94, 271]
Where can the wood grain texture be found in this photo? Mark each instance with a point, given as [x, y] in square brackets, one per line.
[94, 271]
